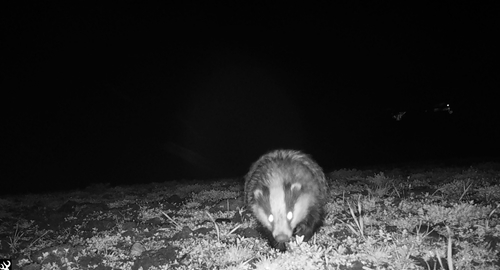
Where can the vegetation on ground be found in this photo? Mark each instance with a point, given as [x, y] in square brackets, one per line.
[403, 218]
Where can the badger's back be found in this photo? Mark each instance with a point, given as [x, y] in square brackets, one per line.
[286, 191]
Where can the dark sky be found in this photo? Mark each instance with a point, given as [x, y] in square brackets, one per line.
[136, 92]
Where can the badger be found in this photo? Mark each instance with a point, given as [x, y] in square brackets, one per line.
[286, 192]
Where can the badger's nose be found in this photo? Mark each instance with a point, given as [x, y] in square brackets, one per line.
[281, 238]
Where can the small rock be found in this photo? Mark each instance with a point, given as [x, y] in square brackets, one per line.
[137, 249]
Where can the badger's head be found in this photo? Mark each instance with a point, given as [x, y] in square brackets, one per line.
[280, 206]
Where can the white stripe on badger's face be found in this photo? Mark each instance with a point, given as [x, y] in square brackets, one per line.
[259, 212]
[301, 208]
[261, 215]
[278, 208]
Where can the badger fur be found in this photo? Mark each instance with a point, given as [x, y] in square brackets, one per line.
[286, 191]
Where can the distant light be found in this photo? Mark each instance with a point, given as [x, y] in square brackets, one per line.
[399, 116]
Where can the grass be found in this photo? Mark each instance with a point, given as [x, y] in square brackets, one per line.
[433, 218]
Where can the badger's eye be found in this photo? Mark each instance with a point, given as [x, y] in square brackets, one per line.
[270, 218]
[289, 216]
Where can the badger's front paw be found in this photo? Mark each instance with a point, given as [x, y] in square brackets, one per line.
[304, 230]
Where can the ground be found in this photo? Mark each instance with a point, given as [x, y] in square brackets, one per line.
[418, 217]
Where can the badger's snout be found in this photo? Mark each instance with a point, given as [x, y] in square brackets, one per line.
[282, 238]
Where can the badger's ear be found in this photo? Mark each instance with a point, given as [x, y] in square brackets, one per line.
[296, 187]
[257, 193]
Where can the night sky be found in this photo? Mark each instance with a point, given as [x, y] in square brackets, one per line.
[138, 93]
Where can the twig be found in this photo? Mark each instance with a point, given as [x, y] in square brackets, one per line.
[359, 223]
[465, 190]
[449, 255]
[39, 238]
[215, 224]
[171, 220]
[233, 230]
[396, 189]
